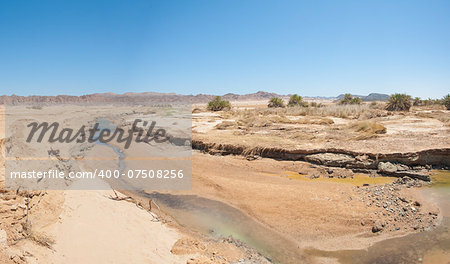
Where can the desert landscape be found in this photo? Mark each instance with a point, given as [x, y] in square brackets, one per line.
[318, 181]
[225, 132]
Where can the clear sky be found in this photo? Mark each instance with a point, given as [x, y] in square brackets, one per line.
[311, 48]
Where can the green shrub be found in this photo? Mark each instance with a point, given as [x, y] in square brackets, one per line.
[417, 101]
[447, 101]
[217, 104]
[399, 102]
[356, 100]
[276, 102]
[349, 99]
[296, 100]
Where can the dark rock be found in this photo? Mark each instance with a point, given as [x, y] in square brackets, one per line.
[377, 227]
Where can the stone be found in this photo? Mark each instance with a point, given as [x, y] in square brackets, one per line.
[387, 167]
[377, 227]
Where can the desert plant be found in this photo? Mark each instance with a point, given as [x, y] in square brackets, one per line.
[356, 100]
[447, 101]
[276, 102]
[296, 100]
[349, 99]
[399, 102]
[417, 101]
[217, 104]
[368, 129]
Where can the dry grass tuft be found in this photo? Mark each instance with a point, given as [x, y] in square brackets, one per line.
[315, 121]
[363, 111]
[442, 116]
[368, 129]
[226, 125]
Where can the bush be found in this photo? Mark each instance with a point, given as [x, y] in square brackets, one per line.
[417, 101]
[447, 101]
[368, 129]
[349, 99]
[296, 100]
[399, 102]
[217, 104]
[276, 102]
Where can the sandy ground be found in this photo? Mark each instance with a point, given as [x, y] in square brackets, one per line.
[95, 229]
[405, 132]
[321, 214]
[77, 226]
[87, 226]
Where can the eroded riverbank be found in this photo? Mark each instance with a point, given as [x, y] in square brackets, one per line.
[255, 203]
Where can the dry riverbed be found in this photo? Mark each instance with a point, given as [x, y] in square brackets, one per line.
[281, 207]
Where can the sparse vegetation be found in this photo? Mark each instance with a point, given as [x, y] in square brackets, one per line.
[447, 101]
[196, 110]
[226, 125]
[362, 112]
[217, 104]
[438, 115]
[368, 129]
[296, 100]
[349, 99]
[417, 101]
[36, 107]
[276, 102]
[399, 102]
[314, 104]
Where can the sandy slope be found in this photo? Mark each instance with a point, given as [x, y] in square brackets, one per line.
[89, 227]
[96, 229]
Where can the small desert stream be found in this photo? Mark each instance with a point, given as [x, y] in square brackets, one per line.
[217, 219]
[431, 246]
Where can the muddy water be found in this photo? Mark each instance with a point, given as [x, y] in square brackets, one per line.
[431, 246]
[219, 219]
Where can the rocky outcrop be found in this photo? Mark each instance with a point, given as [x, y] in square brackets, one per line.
[414, 165]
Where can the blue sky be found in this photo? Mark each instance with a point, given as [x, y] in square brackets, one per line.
[322, 48]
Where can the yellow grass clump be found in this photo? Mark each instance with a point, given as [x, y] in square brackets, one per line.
[368, 129]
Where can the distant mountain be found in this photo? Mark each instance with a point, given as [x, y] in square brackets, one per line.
[370, 97]
[133, 98]
[157, 98]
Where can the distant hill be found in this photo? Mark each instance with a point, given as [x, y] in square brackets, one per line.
[157, 97]
[133, 98]
[370, 97]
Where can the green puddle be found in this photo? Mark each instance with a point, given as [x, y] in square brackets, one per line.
[357, 180]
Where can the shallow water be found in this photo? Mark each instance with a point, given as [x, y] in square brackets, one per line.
[219, 219]
[431, 246]
[357, 179]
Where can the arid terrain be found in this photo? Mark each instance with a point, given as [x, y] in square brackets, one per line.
[284, 185]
